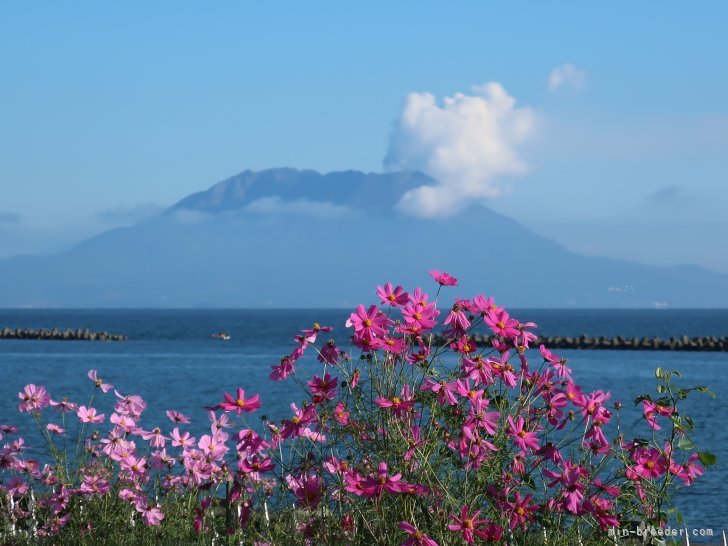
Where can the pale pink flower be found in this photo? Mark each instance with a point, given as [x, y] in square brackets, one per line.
[89, 415]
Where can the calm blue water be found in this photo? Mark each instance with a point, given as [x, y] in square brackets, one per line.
[171, 360]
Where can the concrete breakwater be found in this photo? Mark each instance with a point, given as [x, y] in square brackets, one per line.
[62, 335]
[684, 343]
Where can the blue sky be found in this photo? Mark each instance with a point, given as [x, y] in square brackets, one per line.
[110, 112]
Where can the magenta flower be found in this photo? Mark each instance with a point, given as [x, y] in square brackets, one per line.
[501, 324]
[105, 387]
[240, 404]
[523, 438]
[456, 318]
[311, 334]
[33, 398]
[374, 486]
[323, 389]
[520, 511]
[341, 414]
[651, 462]
[368, 323]
[396, 297]
[89, 415]
[401, 405]
[282, 370]
[444, 279]
[444, 390]
[651, 410]
[308, 488]
[417, 538]
[468, 526]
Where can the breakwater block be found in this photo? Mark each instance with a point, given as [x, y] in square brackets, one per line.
[619, 343]
[60, 335]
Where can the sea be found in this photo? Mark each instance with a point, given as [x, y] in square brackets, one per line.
[173, 361]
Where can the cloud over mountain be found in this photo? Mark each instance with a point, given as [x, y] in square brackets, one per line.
[468, 143]
[566, 75]
[9, 218]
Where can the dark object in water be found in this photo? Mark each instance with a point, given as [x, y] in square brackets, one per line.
[55, 334]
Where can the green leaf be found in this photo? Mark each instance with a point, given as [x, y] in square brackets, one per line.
[706, 390]
[677, 373]
[658, 373]
[707, 458]
[661, 389]
[685, 443]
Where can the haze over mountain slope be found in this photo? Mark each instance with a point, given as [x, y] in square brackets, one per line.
[289, 238]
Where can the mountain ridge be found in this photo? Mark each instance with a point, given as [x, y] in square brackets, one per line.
[288, 238]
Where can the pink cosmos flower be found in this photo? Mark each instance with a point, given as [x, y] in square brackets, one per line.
[482, 419]
[152, 515]
[456, 318]
[64, 406]
[330, 353]
[572, 485]
[323, 389]
[444, 279]
[479, 369]
[89, 415]
[651, 462]
[374, 486]
[214, 446]
[301, 418]
[308, 488]
[401, 405]
[603, 510]
[282, 370]
[520, 511]
[651, 410]
[94, 485]
[132, 405]
[155, 437]
[368, 323]
[183, 441]
[445, 391]
[417, 538]
[341, 414]
[468, 526]
[689, 471]
[177, 417]
[522, 438]
[255, 464]
[420, 318]
[250, 442]
[55, 429]
[240, 404]
[105, 387]
[33, 398]
[396, 297]
[501, 324]
[124, 422]
[311, 334]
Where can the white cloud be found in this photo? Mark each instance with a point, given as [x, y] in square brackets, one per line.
[566, 75]
[129, 215]
[466, 144]
[191, 216]
[317, 209]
